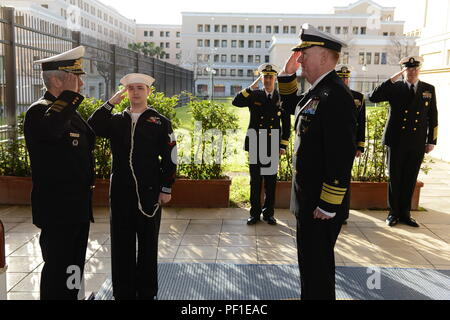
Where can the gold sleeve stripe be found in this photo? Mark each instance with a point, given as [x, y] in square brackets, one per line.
[331, 198]
[245, 93]
[288, 88]
[284, 142]
[61, 103]
[435, 135]
[361, 144]
[339, 193]
[335, 188]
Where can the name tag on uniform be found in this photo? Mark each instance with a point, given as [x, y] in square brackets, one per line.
[74, 135]
[154, 120]
[258, 104]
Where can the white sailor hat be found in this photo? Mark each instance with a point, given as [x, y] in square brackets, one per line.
[311, 37]
[268, 69]
[411, 62]
[134, 78]
[69, 61]
[344, 71]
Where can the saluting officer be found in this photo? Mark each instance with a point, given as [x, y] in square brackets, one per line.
[144, 165]
[411, 131]
[60, 144]
[264, 141]
[325, 125]
[344, 73]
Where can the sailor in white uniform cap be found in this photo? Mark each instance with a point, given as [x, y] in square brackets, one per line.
[142, 144]
[60, 144]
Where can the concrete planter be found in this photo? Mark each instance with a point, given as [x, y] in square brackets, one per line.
[186, 193]
[364, 195]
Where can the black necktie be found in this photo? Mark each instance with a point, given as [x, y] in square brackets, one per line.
[412, 93]
[269, 97]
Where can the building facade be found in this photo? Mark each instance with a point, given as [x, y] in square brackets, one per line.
[224, 49]
[167, 37]
[434, 46]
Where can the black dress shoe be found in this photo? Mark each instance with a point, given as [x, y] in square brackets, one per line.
[252, 221]
[410, 222]
[391, 220]
[344, 223]
[271, 220]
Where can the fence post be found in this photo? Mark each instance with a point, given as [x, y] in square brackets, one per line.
[10, 73]
[76, 37]
[137, 63]
[112, 85]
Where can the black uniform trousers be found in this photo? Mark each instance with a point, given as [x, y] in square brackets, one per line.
[256, 181]
[63, 246]
[315, 242]
[404, 166]
[133, 278]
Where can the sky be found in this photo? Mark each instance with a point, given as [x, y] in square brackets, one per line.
[169, 11]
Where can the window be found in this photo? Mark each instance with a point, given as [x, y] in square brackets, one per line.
[328, 29]
[216, 43]
[376, 59]
[178, 34]
[167, 56]
[223, 58]
[368, 57]
[207, 43]
[216, 58]
[233, 72]
[224, 28]
[355, 30]
[258, 59]
[361, 58]
[363, 30]
[224, 43]
[266, 59]
[267, 44]
[250, 43]
[241, 43]
[250, 59]
[385, 34]
[240, 73]
[199, 58]
[167, 34]
[249, 73]
[161, 44]
[392, 34]
[207, 28]
[320, 28]
[258, 30]
[251, 29]
[285, 29]
[293, 29]
[199, 72]
[234, 28]
[384, 58]
[268, 29]
[241, 58]
[258, 44]
[345, 57]
[345, 30]
[199, 43]
[337, 30]
[161, 34]
[233, 43]
[233, 58]
[223, 72]
[217, 28]
[145, 33]
[241, 28]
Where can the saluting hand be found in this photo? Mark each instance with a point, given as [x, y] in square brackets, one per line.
[71, 83]
[292, 65]
[118, 97]
[396, 76]
[255, 85]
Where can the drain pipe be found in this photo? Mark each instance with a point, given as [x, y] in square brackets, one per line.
[3, 265]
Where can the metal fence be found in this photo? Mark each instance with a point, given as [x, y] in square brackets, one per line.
[25, 39]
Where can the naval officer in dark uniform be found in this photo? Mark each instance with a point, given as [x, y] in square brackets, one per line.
[344, 73]
[411, 131]
[60, 144]
[268, 135]
[325, 125]
[144, 166]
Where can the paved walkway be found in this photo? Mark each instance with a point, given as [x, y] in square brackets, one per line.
[221, 236]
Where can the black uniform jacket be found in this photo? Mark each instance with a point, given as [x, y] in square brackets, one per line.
[360, 104]
[153, 147]
[325, 125]
[411, 121]
[60, 144]
[265, 114]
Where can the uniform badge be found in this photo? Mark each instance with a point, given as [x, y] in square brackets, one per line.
[154, 120]
[427, 95]
[279, 113]
[311, 106]
[74, 135]
[357, 103]
[75, 143]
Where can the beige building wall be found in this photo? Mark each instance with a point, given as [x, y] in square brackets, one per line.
[167, 37]
[435, 49]
[234, 45]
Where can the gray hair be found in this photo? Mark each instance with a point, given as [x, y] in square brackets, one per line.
[48, 75]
